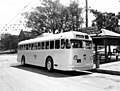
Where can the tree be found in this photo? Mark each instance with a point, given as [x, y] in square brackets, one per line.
[75, 13]
[44, 18]
[54, 17]
[9, 42]
[21, 36]
[105, 20]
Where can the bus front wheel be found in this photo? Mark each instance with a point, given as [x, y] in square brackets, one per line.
[23, 60]
[49, 64]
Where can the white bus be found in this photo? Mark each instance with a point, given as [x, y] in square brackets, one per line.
[64, 51]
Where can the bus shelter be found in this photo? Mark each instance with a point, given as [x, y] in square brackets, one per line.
[107, 39]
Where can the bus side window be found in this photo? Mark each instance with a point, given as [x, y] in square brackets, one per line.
[62, 43]
[35, 46]
[32, 46]
[51, 44]
[43, 44]
[21, 47]
[39, 46]
[47, 45]
[26, 46]
[29, 47]
[57, 44]
[68, 46]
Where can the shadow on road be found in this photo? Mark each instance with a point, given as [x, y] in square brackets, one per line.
[55, 73]
[103, 71]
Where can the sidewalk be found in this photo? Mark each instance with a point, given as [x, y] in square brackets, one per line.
[114, 66]
[109, 68]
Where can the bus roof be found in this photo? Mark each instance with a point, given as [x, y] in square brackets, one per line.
[68, 35]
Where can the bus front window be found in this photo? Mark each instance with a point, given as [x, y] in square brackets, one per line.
[87, 44]
[76, 43]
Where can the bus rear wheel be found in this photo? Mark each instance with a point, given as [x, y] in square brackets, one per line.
[49, 64]
[23, 60]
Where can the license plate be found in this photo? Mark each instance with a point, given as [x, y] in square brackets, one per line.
[78, 60]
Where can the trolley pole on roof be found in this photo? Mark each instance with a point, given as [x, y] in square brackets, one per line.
[86, 2]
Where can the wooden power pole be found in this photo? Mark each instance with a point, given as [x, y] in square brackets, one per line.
[86, 1]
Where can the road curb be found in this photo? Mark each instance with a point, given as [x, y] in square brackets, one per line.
[106, 71]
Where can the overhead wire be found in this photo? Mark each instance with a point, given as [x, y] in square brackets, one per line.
[20, 19]
[89, 6]
[8, 24]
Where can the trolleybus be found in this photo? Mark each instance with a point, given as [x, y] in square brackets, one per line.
[65, 51]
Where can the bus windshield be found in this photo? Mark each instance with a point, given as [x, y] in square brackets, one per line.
[87, 44]
[76, 43]
[81, 44]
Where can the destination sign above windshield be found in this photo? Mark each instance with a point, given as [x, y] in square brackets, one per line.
[82, 36]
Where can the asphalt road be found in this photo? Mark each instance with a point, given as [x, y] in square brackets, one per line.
[14, 77]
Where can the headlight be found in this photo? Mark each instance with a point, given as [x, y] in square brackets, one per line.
[75, 57]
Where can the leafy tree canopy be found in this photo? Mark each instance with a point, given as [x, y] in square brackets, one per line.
[54, 17]
[105, 20]
[9, 42]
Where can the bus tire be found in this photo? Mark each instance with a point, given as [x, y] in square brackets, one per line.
[49, 64]
[23, 60]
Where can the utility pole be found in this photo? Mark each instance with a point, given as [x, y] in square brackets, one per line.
[86, 1]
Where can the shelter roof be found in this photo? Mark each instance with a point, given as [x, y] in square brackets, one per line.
[106, 34]
[106, 37]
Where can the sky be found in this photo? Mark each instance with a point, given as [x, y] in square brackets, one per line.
[9, 9]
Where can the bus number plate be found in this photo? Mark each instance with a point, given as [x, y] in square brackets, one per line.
[78, 60]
